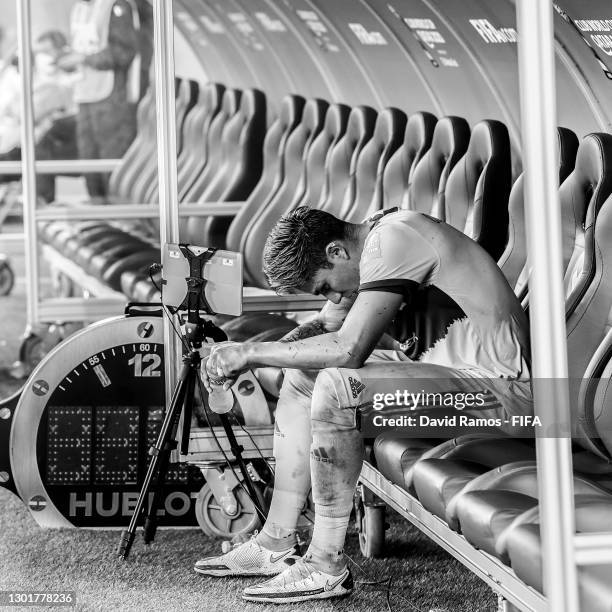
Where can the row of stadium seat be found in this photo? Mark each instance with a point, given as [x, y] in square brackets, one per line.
[484, 486]
[350, 162]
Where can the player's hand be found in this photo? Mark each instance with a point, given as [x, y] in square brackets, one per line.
[225, 361]
[71, 61]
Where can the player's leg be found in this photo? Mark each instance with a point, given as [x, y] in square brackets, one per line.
[292, 441]
[335, 463]
[337, 444]
[271, 551]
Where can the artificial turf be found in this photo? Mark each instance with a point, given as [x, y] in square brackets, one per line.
[160, 576]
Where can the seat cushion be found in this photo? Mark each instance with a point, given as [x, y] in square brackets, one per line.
[396, 455]
[483, 515]
[525, 554]
[438, 480]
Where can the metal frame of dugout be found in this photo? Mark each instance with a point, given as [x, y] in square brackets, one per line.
[562, 548]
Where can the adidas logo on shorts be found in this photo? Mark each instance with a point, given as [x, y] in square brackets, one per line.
[356, 387]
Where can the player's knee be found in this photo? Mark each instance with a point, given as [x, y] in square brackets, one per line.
[295, 382]
[332, 406]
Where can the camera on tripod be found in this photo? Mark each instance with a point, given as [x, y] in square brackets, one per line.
[196, 281]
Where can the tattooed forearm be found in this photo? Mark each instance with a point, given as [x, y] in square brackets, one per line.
[307, 330]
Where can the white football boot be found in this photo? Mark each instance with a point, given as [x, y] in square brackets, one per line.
[300, 582]
[248, 559]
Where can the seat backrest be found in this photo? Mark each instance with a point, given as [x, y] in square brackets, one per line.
[514, 256]
[142, 145]
[313, 179]
[589, 337]
[595, 400]
[448, 145]
[298, 145]
[289, 116]
[146, 186]
[400, 169]
[239, 132]
[243, 138]
[230, 105]
[387, 138]
[581, 196]
[476, 194]
[194, 156]
[342, 161]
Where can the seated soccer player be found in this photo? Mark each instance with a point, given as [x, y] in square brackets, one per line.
[366, 271]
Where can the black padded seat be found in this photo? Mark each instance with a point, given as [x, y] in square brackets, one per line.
[296, 150]
[477, 190]
[437, 480]
[371, 163]
[514, 257]
[242, 162]
[70, 242]
[448, 145]
[581, 195]
[67, 237]
[111, 273]
[594, 585]
[289, 116]
[398, 173]
[86, 252]
[496, 503]
[194, 155]
[46, 231]
[230, 105]
[130, 277]
[118, 251]
[312, 182]
[138, 153]
[596, 392]
[396, 455]
[145, 184]
[342, 162]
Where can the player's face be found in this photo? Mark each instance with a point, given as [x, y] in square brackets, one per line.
[337, 282]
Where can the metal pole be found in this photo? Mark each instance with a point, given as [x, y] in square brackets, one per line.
[28, 177]
[546, 299]
[166, 160]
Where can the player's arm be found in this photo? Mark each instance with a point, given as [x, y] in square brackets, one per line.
[329, 318]
[348, 347]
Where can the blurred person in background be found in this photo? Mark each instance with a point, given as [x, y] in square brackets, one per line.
[105, 56]
[53, 105]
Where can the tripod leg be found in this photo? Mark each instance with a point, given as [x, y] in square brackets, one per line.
[188, 406]
[183, 401]
[166, 435]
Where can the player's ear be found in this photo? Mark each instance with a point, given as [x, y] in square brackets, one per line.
[336, 250]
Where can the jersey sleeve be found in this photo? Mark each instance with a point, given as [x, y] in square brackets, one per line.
[396, 259]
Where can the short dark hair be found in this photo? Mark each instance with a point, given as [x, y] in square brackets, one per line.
[295, 248]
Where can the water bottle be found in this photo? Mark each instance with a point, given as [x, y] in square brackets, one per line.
[220, 400]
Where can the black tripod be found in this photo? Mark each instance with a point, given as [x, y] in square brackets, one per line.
[196, 331]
